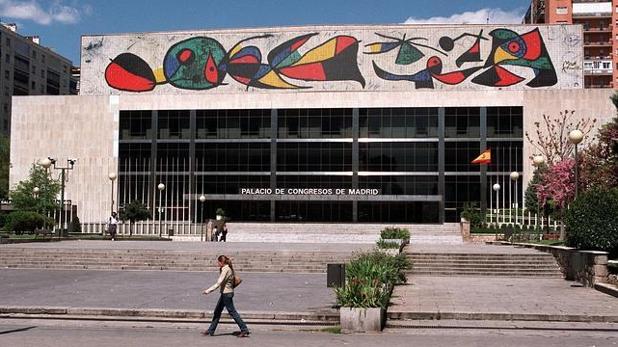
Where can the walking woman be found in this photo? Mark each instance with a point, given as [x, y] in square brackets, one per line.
[225, 283]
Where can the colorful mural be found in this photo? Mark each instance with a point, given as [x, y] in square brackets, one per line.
[482, 57]
[508, 48]
[201, 63]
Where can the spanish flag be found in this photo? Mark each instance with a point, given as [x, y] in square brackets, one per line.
[484, 158]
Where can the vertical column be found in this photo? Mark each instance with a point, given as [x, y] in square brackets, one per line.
[153, 160]
[483, 146]
[441, 164]
[355, 133]
[192, 190]
[273, 158]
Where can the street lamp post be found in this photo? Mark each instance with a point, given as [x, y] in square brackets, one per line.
[47, 163]
[514, 177]
[576, 137]
[496, 188]
[538, 160]
[112, 177]
[161, 187]
[202, 199]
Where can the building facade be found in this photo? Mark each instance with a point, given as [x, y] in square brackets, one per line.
[28, 68]
[308, 124]
[599, 20]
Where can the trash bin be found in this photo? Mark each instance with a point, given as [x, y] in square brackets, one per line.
[170, 232]
[335, 275]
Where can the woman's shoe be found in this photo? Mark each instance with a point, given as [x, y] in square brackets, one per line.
[206, 333]
[243, 334]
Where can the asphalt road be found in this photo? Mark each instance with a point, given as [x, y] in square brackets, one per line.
[97, 334]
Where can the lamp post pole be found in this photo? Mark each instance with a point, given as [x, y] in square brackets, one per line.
[112, 177]
[576, 137]
[202, 200]
[496, 188]
[46, 163]
[514, 178]
[161, 187]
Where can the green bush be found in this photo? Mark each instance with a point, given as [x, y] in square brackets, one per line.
[370, 278]
[25, 221]
[592, 221]
[395, 233]
[387, 244]
[472, 214]
[75, 226]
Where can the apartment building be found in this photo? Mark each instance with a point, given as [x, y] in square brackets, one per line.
[27, 68]
[599, 20]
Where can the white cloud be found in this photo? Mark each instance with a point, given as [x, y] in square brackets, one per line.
[32, 10]
[495, 15]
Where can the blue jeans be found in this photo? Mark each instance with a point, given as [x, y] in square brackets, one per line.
[226, 300]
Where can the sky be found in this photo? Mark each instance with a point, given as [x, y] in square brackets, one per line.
[60, 23]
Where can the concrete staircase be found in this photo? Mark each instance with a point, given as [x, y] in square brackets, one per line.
[483, 264]
[101, 259]
[359, 233]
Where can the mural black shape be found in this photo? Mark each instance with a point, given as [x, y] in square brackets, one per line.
[408, 52]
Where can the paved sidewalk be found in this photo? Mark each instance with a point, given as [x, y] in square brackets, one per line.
[161, 290]
[500, 298]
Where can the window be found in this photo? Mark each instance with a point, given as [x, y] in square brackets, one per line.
[562, 10]
[7, 74]
[8, 42]
[606, 65]
[33, 85]
[33, 54]
[42, 73]
[7, 58]
[33, 69]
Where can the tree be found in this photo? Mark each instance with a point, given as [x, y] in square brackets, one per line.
[44, 202]
[134, 212]
[599, 162]
[557, 190]
[531, 198]
[552, 139]
[4, 166]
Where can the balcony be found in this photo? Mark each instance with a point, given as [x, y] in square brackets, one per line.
[598, 67]
[598, 43]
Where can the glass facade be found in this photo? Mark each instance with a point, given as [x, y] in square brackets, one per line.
[418, 160]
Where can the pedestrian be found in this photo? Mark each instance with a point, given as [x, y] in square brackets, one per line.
[215, 233]
[226, 283]
[112, 225]
[224, 233]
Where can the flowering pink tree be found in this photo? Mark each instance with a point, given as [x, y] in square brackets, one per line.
[558, 185]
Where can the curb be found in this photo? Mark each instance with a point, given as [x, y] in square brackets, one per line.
[498, 316]
[607, 289]
[94, 313]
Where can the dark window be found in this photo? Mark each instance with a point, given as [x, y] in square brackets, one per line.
[505, 122]
[507, 156]
[133, 157]
[228, 184]
[401, 185]
[324, 182]
[135, 125]
[314, 156]
[174, 124]
[398, 156]
[462, 122]
[315, 123]
[458, 156]
[398, 122]
[232, 124]
[398, 212]
[457, 191]
[172, 157]
[232, 156]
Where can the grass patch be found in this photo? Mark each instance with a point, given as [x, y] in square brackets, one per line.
[332, 330]
[387, 244]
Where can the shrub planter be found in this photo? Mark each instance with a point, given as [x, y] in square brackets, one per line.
[361, 320]
[464, 228]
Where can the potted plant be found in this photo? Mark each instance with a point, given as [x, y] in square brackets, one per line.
[220, 214]
[370, 278]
